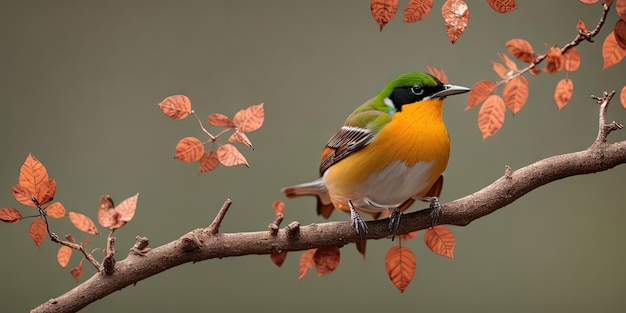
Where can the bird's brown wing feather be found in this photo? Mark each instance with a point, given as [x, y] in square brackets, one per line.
[344, 142]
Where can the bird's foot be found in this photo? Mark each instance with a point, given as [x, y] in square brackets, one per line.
[394, 222]
[359, 225]
[435, 210]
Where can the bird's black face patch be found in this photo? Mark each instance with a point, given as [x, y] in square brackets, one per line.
[405, 95]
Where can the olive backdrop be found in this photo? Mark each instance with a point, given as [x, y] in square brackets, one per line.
[80, 81]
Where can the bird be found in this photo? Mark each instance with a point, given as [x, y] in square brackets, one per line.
[391, 151]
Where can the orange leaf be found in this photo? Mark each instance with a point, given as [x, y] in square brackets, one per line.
[230, 156]
[38, 231]
[306, 263]
[279, 207]
[50, 191]
[416, 10]
[63, 255]
[35, 181]
[554, 60]
[620, 8]
[189, 149]
[408, 236]
[241, 137]
[479, 93]
[83, 223]
[400, 266]
[107, 216]
[515, 93]
[439, 73]
[208, 162]
[22, 196]
[279, 258]
[326, 259]
[455, 15]
[383, 11]
[620, 33]
[491, 116]
[440, 240]
[572, 59]
[589, 1]
[70, 238]
[563, 92]
[582, 27]
[177, 107]
[77, 272]
[502, 6]
[217, 119]
[10, 215]
[612, 53]
[55, 210]
[126, 208]
[250, 118]
[622, 97]
[85, 241]
[521, 49]
[501, 70]
[508, 62]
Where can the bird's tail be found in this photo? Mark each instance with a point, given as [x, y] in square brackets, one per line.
[315, 188]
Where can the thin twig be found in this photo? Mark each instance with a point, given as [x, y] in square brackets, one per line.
[213, 138]
[215, 225]
[605, 129]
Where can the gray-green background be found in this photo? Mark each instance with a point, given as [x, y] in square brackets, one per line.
[80, 81]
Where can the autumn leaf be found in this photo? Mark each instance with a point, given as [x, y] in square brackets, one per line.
[455, 15]
[612, 53]
[407, 236]
[306, 263]
[22, 196]
[479, 93]
[279, 207]
[85, 241]
[589, 1]
[440, 240]
[107, 216]
[416, 10]
[620, 8]
[521, 49]
[63, 255]
[400, 265]
[501, 70]
[241, 137]
[10, 215]
[230, 156]
[217, 119]
[278, 258]
[508, 62]
[77, 272]
[502, 6]
[34, 182]
[582, 27]
[38, 231]
[361, 246]
[491, 116]
[48, 195]
[438, 73]
[620, 33]
[189, 149]
[622, 97]
[208, 162]
[563, 92]
[515, 93]
[177, 107]
[383, 11]
[126, 209]
[250, 118]
[572, 59]
[83, 223]
[326, 259]
[554, 60]
[55, 210]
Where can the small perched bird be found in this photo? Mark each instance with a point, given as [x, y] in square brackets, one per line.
[390, 151]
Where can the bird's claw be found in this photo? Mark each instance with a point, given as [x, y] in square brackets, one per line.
[394, 222]
[360, 227]
[435, 210]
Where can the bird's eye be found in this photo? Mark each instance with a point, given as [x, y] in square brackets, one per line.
[417, 90]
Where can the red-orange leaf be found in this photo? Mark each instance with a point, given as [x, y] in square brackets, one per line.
[439, 73]
[10, 215]
[250, 118]
[241, 137]
[508, 62]
[55, 210]
[127, 208]
[416, 10]
[479, 93]
[521, 49]
[22, 196]
[48, 195]
[563, 92]
[279, 207]
[502, 6]
[501, 70]
[189, 149]
[407, 236]
[620, 33]
[400, 265]
[83, 223]
[554, 60]
[383, 11]
[612, 53]
[217, 119]
[77, 272]
[230, 156]
[582, 27]
[491, 116]
[177, 107]
[589, 1]
[455, 15]
[622, 97]
[572, 59]
[440, 240]
[107, 216]
[34, 180]
[208, 162]
[85, 241]
[515, 93]
[63, 255]
[620, 8]
[279, 258]
[326, 259]
[306, 263]
[38, 231]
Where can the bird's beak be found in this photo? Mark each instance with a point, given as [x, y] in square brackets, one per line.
[450, 90]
